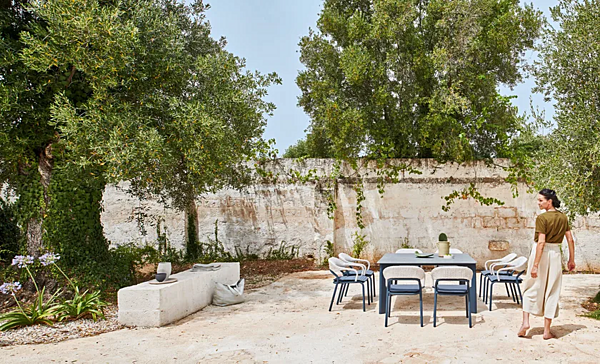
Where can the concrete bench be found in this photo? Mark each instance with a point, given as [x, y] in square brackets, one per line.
[147, 304]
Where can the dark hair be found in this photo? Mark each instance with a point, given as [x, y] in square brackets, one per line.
[550, 195]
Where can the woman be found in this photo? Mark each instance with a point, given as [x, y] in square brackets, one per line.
[544, 271]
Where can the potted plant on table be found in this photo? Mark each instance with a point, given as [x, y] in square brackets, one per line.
[443, 245]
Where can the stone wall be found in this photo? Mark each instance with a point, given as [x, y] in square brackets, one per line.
[408, 213]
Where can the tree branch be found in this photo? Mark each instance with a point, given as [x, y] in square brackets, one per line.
[70, 77]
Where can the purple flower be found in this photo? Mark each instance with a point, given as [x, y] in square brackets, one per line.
[22, 260]
[10, 287]
[49, 258]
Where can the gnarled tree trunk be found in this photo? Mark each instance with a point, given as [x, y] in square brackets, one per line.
[34, 231]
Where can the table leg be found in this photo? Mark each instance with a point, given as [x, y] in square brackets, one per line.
[473, 289]
[382, 290]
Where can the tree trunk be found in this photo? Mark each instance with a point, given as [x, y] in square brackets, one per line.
[34, 225]
[191, 225]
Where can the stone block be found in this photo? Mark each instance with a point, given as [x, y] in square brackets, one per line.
[498, 245]
[493, 222]
[506, 211]
[513, 223]
[158, 305]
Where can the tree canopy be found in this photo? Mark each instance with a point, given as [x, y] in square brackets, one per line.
[132, 90]
[416, 78]
[569, 73]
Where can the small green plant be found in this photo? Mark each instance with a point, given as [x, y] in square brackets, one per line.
[329, 249]
[443, 237]
[241, 255]
[82, 305]
[405, 244]
[283, 253]
[360, 242]
[38, 313]
[214, 251]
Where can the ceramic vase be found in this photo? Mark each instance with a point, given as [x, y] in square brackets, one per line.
[164, 267]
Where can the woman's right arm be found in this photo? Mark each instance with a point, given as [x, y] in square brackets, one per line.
[571, 263]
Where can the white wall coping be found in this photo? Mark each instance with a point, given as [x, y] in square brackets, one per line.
[146, 304]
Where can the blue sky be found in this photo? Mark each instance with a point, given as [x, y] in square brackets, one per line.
[266, 33]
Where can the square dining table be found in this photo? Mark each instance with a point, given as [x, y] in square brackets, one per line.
[392, 259]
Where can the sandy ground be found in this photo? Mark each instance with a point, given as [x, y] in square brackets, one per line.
[288, 322]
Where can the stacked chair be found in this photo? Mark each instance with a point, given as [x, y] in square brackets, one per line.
[489, 269]
[506, 275]
[368, 272]
[346, 273]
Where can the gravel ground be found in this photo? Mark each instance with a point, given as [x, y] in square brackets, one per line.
[39, 334]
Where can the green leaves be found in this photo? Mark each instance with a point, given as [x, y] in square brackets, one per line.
[37, 313]
[418, 78]
[569, 159]
[82, 305]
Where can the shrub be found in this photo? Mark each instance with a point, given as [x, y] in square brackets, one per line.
[82, 305]
[9, 231]
[283, 253]
[360, 242]
[38, 313]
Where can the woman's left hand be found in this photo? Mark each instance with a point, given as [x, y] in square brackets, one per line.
[571, 265]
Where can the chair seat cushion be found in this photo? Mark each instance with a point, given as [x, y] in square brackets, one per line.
[452, 288]
[350, 279]
[508, 279]
[490, 272]
[404, 288]
[368, 272]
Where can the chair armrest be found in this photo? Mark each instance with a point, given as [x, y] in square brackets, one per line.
[355, 273]
[361, 266]
[491, 261]
[503, 269]
[366, 261]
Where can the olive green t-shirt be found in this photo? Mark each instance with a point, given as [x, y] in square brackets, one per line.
[554, 224]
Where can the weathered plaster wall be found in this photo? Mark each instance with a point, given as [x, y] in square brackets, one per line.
[409, 212]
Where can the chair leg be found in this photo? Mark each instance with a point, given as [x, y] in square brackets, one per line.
[387, 308]
[373, 279]
[507, 291]
[343, 288]
[491, 294]
[480, 281]
[516, 293]
[512, 290]
[519, 289]
[363, 290]
[389, 304]
[368, 291]
[486, 281]
[434, 308]
[467, 304]
[332, 297]
[421, 304]
[469, 311]
[346, 291]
